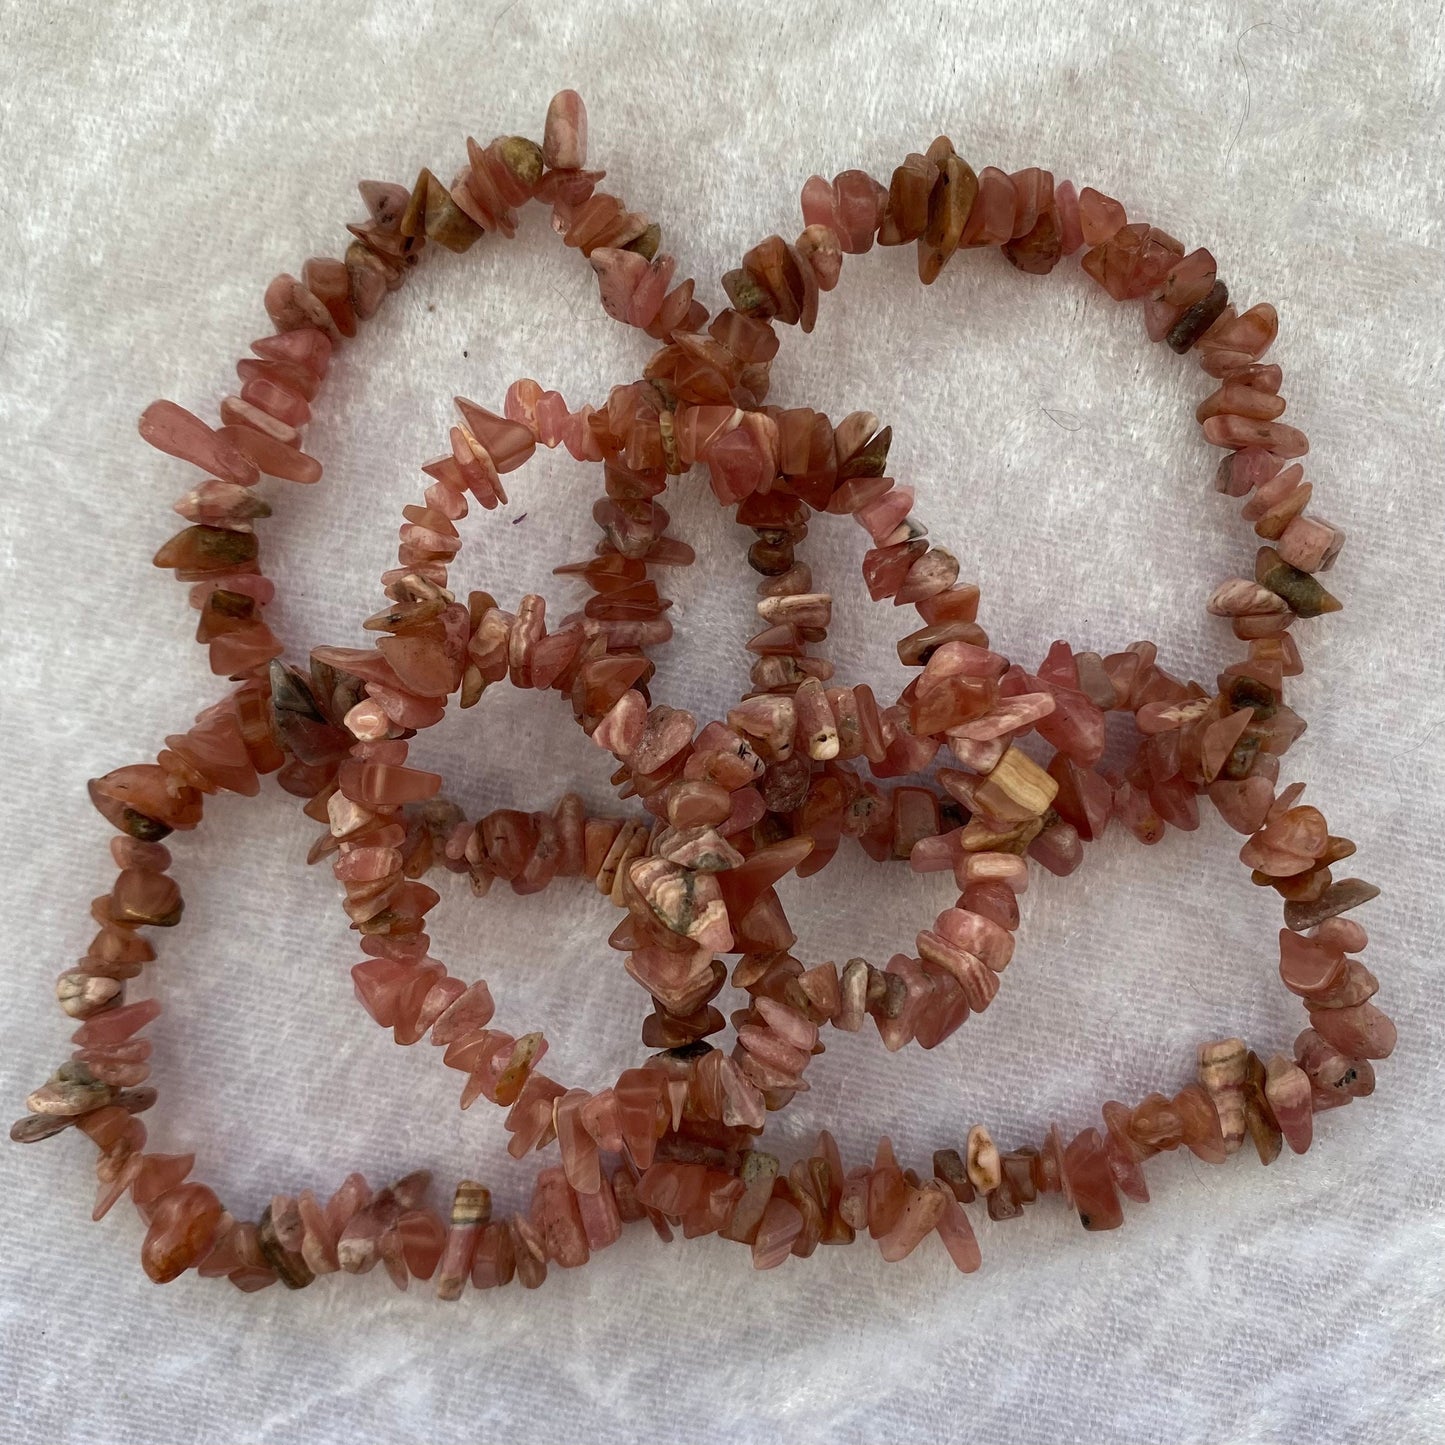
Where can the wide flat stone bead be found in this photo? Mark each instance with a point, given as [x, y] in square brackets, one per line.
[1360, 1031]
[1016, 789]
[174, 430]
[1066, 198]
[778, 1230]
[368, 278]
[493, 1260]
[271, 456]
[1287, 845]
[1133, 262]
[70, 1091]
[182, 1227]
[990, 221]
[1058, 848]
[279, 402]
[601, 1220]
[564, 135]
[142, 897]
[958, 1237]
[1287, 1090]
[859, 204]
[1335, 1078]
[1301, 590]
[309, 347]
[529, 1252]
[994, 901]
[978, 935]
[280, 1236]
[1338, 898]
[293, 307]
[558, 1220]
[908, 193]
[950, 1171]
[921, 1215]
[1223, 1073]
[222, 504]
[1312, 968]
[198, 551]
[1195, 320]
[1233, 398]
[1124, 1154]
[81, 995]
[1155, 1124]
[1100, 216]
[1091, 1183]
[138, 801]
[1310, 543]
[1199, 1122]
[1259, 1117]
[508, 443]
[1038, 250]
[1242, 471]
[1238, 340]
[948, 208]
[1237, 432]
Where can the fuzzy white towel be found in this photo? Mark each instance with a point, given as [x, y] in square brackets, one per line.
[162, 161]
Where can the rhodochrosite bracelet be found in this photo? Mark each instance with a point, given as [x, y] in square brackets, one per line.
[978, 768]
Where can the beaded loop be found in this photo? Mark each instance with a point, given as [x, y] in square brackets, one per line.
[739, 803]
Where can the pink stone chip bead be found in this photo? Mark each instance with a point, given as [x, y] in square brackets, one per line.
[564, 137]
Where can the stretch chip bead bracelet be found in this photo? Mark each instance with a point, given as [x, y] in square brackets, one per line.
[738, 803]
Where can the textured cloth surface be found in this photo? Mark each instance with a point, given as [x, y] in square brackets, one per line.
[161, 163]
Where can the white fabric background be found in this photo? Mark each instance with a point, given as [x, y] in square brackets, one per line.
[161, 163]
